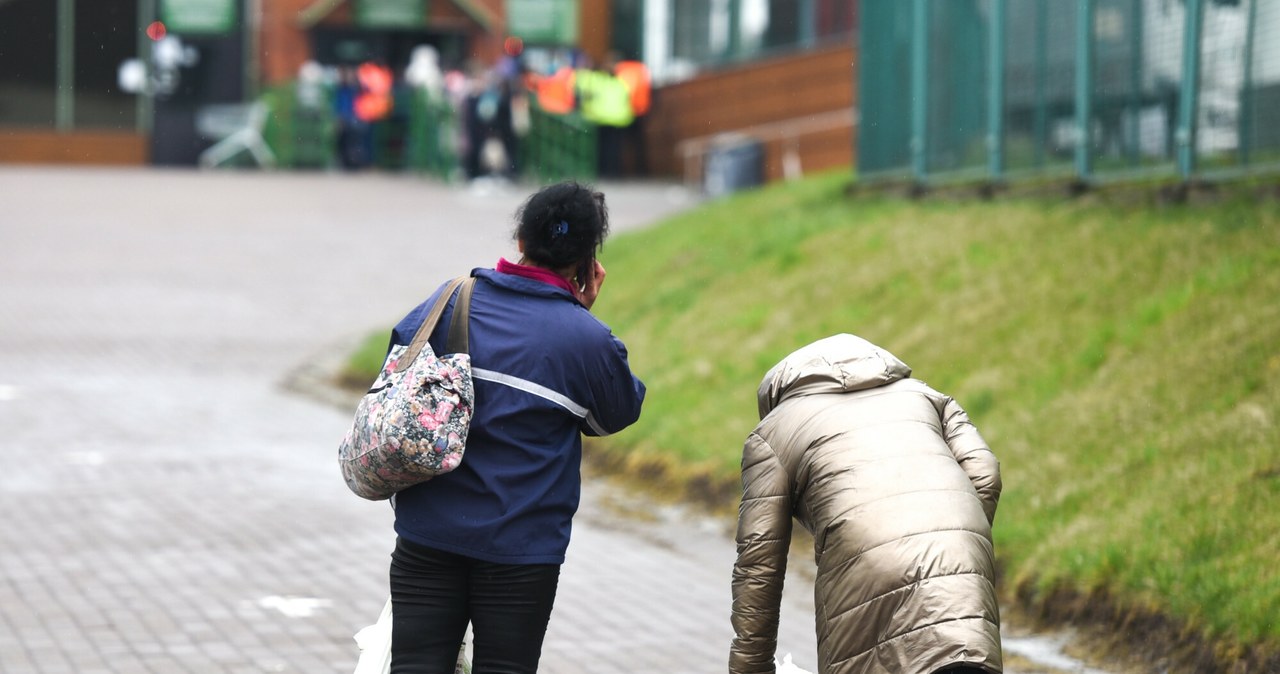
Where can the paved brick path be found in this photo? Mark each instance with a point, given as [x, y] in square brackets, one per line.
[169, 500]
[168, 506]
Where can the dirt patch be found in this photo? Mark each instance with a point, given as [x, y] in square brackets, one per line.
[1151, 192]
[1136, 638]
[664, 479]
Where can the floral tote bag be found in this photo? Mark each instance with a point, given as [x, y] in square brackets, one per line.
[412, 424]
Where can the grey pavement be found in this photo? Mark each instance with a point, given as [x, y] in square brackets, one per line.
[169, 506]
[169, 495]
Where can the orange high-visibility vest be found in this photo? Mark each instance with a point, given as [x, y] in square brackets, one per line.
[375, 78]
[375, 102]
[555, 92]
[636, 75]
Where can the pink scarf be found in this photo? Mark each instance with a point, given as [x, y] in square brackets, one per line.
[535, 273]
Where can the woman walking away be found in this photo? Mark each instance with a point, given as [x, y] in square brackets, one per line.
[483, 544]
[899, 491]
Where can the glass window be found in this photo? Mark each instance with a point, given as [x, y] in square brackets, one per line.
[835, 17]
[628, 26]
[28, 62]
[706, 32]
[106, 35]
[753, 23]
[779, 25]
[691, 30]
[784, 24]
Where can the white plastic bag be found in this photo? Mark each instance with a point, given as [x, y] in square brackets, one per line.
[788, 667]
[375, 647]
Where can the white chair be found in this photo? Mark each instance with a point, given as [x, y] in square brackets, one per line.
[239, 126]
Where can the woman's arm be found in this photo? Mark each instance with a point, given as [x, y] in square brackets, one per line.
[973, 455]
[764, 535]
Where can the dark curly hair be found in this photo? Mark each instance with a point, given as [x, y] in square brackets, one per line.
[562, 224]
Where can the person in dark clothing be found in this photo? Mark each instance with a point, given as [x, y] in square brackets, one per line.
[488, 117]
[483, 544]
[354, 140]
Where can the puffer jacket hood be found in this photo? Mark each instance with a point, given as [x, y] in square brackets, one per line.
[837, 364]
[899, 491]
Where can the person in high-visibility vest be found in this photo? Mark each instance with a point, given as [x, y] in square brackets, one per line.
[636, 76]
[605, 100]
[374, 102]
[555, 91]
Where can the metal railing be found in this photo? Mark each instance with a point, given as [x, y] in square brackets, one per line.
[559, 146]
[1091, 90]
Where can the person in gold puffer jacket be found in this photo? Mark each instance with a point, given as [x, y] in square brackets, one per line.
[899, 491]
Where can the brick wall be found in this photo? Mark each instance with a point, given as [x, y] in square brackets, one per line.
[284, 45]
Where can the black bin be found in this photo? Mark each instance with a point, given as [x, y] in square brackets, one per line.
[733, 163]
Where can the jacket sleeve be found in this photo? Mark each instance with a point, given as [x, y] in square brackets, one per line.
[764, 536]
[971, 451]
[616, 394]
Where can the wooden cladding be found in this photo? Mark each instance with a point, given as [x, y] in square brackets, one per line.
[800, 107]
[27, 146]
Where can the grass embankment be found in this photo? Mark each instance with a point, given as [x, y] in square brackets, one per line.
[1122, 360]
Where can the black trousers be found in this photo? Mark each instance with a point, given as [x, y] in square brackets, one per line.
[435, 594]
[609, 151]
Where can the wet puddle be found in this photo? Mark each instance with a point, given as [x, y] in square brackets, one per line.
[1043, 654]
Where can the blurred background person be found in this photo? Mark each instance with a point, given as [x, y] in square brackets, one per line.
[605, 100]
[355, 139]
[635, 74]
[490, 134]
[432, 133]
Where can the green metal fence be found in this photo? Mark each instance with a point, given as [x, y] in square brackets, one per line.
[301, 129]
[1097, 90]
[559, 147]
[432, 133]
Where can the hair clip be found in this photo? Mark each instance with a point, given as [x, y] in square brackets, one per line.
[559, 229]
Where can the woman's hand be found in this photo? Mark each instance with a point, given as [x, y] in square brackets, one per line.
[591, 285]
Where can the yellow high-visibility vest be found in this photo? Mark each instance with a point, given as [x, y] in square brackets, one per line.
[603, 98]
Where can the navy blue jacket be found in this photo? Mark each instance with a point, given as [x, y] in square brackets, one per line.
[546, 371]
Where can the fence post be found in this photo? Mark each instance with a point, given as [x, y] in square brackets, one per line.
[1245, 129]
[251, 33]
[1084, 88]
[1040, 121]
[1187, 95]
[808, 19]
[1136, 36]
[919, 87]
[995, 104]
[735, 30]
[143, 105]
[64, 110]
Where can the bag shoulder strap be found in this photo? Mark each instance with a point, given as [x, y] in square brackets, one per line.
[429, 323]
[459, 324]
